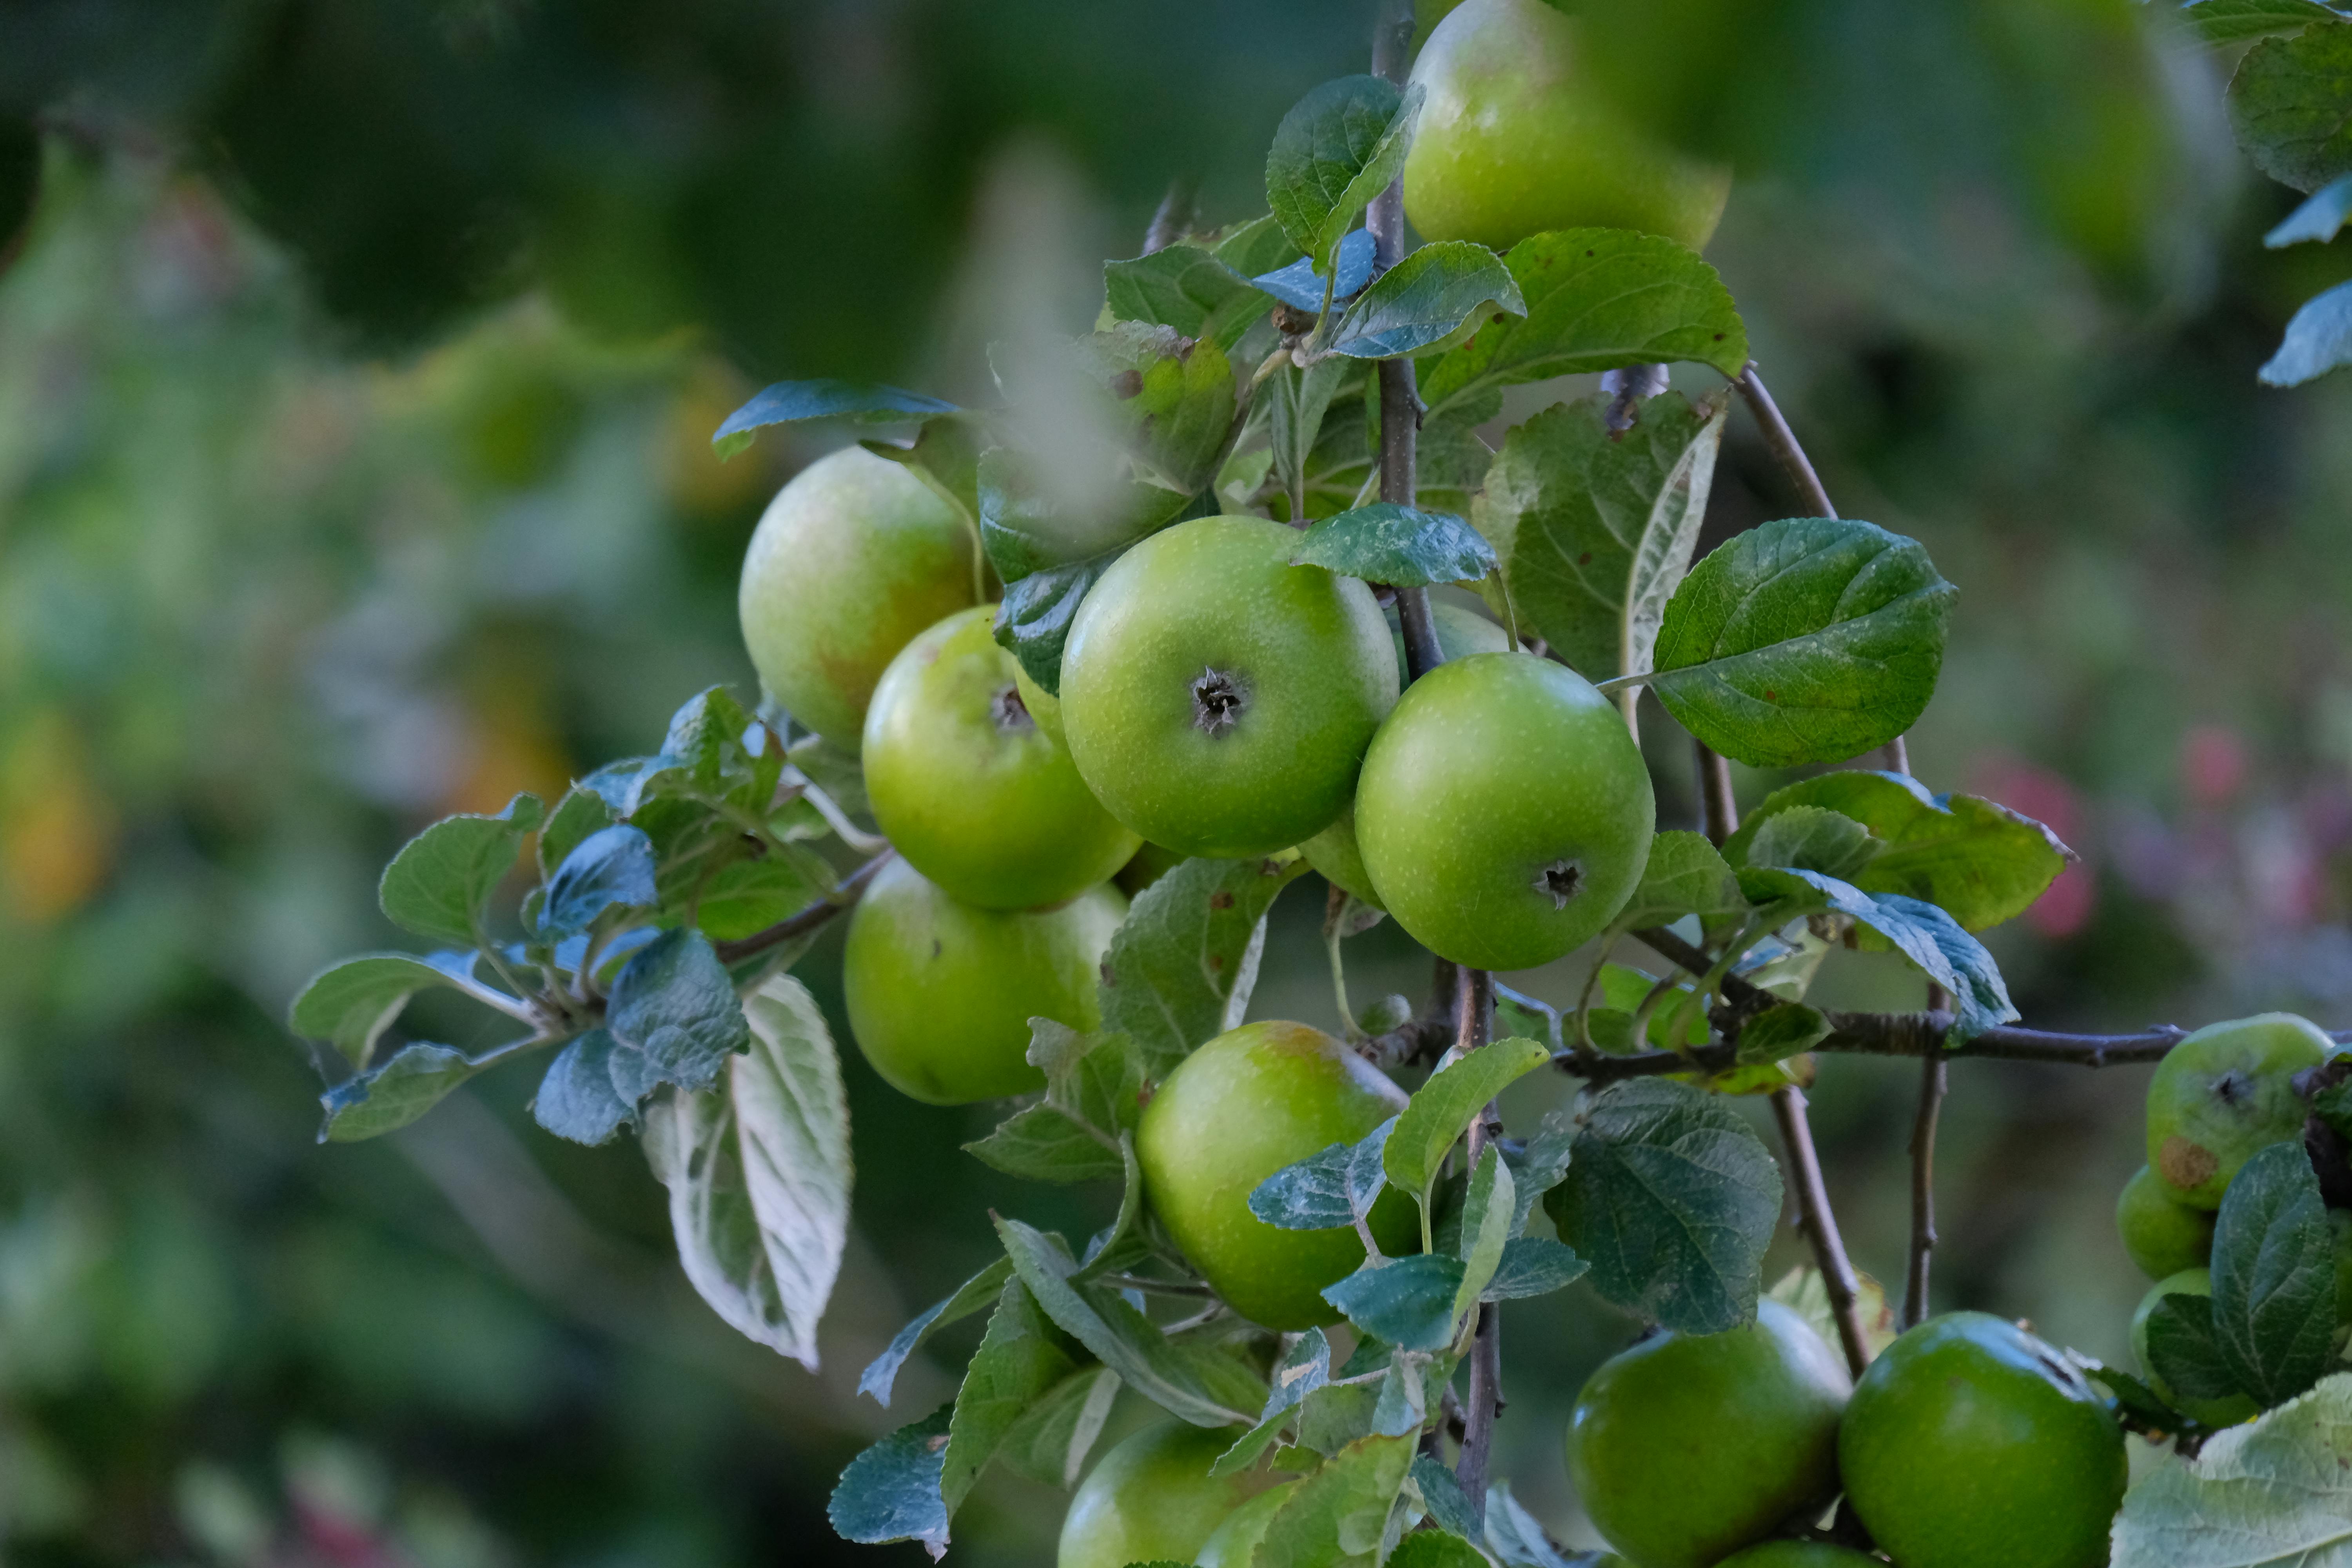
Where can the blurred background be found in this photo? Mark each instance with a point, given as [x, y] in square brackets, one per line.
[358, 359]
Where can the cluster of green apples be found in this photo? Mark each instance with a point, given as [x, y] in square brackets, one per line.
[2219, 1097]
[1214, 699]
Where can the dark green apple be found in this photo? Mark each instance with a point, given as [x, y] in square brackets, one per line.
[1971, 1444]
[2225, 1412]
[852, 559]
[968, 787]
[1689, 1447]
[1151, 1500]
[1232, 1113]
[1514, 141]
[2163, 1234]
[1799, 1554]
[940, 994]
[1219, 700]
[1504, 813]
[2224, 1092]
[1231, 1545]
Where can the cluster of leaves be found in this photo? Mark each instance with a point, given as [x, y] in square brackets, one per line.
[2291, 105]
[651, 959]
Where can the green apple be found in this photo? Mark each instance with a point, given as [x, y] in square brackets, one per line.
[2163, 1234]
[1232, 1542]
[1689, 1447]
[2225, 1412]
[940, 994]
[852, 559]
[1219, 700]
[1971, 1444]
[1514, 141]
[1232, 1113]
[1043, 705]
[1799, 1554]
[1503, 812]
[2222, 1094]
[1151, 1500]
[968, 787]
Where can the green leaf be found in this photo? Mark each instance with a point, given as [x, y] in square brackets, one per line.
[2289, 105]
[416, 1079]
[1486, 1214]
[1034, 619]
[2329, 208]
[2137, 1406]
[1170, 396]
[2234, 21]
[1918, 930]
[439, 885]
[2274, 1276]
[1673, 1200]
[1807, 640]
[1595, 527]
[1050, 1442]
[1442, 1496]
[1452, 463]
[1334, 1187]
[2318, 340]
[1303, 1369]
[1812, 838]
[1021, 1359]
[831, 769]
[673, 1017]
[747, 896]
[1597, 299]
[1254, 248]
[2276, 1493]
[1301, 284]
[351, 1004]
[1296, 401]
[1098, 1080]
[1780, 1032]
[1435, 1548]
[1398, 545]
[968, 1298]
[2183, 1349]
[1980, 862]
[1337, 1517]
[1337, 149]
[1039, 1144]
[759, 1175]
[576, 1099]
[891, 1492]
[580, 813]
[1685, 875]
[1442, 1109]
[1180, 968]
[1185, 286]
[1405, 1301]
[612, 868]
[1192, 1383]
[1533, 1266]
[1541, 1165]
[1433, 297]
[945, 455]
[792, 402]
[1515, 1537]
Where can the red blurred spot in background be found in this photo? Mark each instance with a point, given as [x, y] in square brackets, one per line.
[2066, 905]
[2212, 764]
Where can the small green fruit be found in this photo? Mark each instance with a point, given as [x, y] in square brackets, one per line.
[1799, 1554]
[1971, 1444]
[969, 788]
[2163, 1234]
[1504, 813]
[2226, 1411]
[1232, 1113]
[940, 994]
[852, 559]
[1689, 1447]
[2222, 1094]
[1043, 705]
[1231, 1545]
[1219, 700]
[1514, 141]
[1151, 1500]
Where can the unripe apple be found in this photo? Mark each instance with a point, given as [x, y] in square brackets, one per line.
[1514, 139]
[1232, 1113]
[1799, 1554]
[940, 994]
[1971, 1444]
[1219, 700]
[968, 787]
[1504, 813]
[2224, 1092]
[2163, 1234]
[1232, 1543]
[2224, 1412]
[1689, 1447]
[1151, 1500]
[852, 559]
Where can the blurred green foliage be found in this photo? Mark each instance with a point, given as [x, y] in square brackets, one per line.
[355, 380]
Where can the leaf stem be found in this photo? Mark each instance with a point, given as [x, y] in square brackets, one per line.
[1821, 1225]
[812, 917]
[1783, 442]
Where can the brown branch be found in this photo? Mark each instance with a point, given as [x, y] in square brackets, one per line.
[845, 893]
[1821, 1225]
[1718, 808]
[1923, 1183]
[1783, 442]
